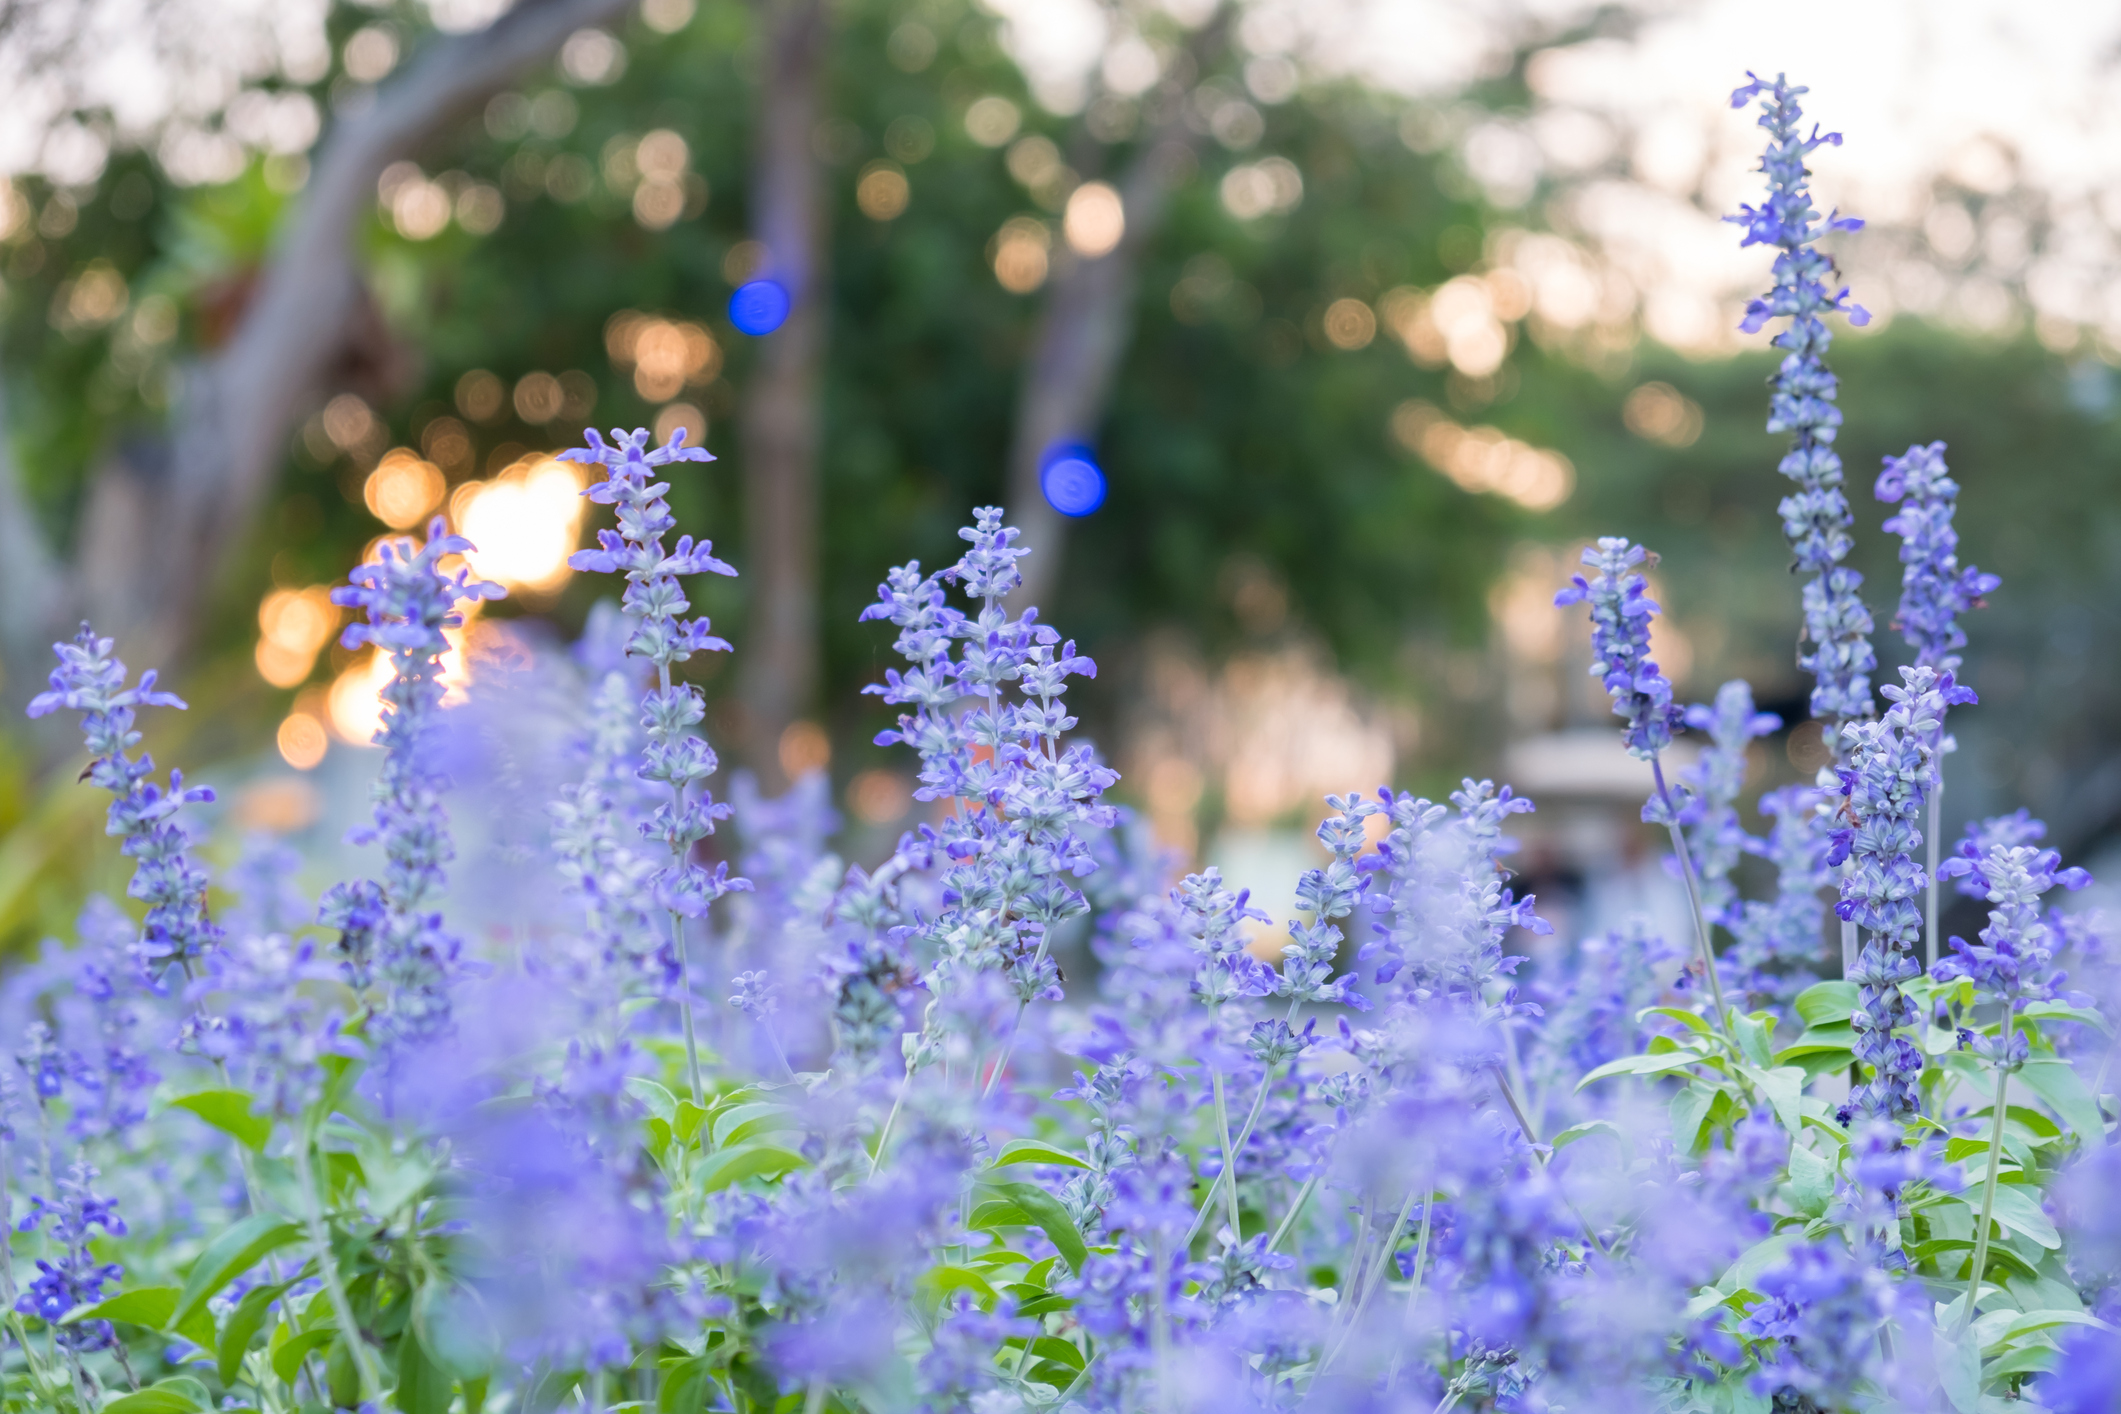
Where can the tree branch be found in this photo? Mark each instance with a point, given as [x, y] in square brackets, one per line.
[160, 539]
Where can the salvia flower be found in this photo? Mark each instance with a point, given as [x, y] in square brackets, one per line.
[1621, 610]
[1934, 589]
[655, 604]
[2012, 961]
[1816, 515]
[1777, 938]
[1884, 786]
[395, 930]
[88, 680]
[72, 1276]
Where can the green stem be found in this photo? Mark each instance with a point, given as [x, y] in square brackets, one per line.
[1693, 897]
[814, 1400]
[1368, 1288]
[1532, 1137]
[883, 1136]
[1303, 1196]
[1421, 1262]
[1222, 1124]
[1929, 908]
[1988, 1182]
[328, 1268]
[1259, 1103]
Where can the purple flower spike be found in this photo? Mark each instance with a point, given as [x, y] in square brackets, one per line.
[392, 932]
[1816, 516]
[1621, 610]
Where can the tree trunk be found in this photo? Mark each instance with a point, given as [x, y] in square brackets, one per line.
[161, 521]
[1082, 337]
[781, 413]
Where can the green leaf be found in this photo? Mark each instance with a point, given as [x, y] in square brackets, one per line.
[1754, 1041]
[1811, 1181]
[1045, 1210]
[1032, 1151]
[1687, 1019]
[1642, 1065]
[1817, 1040]
[2033, 1321]
[287, 1359]
[2057, 1082]
[423, 1386]
[1766, 1253]
[1690, 1111]
[1586, 1129]
[688, 1120]
[1053, 1348]
[660, 1102]
[1827, 1002]
[1784, 1088]
[741, 1122]
[243, 1325]
[997, 1212]
[2018, 1208]
[684, 1388]
[180, 1395]
[230, 1112]
[943, 1282]
[453, 1325]
[727, 1166]
[1959, 1369]
[142, 1306]
[227, 1257]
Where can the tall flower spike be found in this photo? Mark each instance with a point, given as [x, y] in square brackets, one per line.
[655, 604]
[1934, 591]
[1816, 516]
[1621, 610]
[409, 600]
[1885, 783]
[90, 681]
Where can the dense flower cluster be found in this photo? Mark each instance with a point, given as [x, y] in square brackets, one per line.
[1816, 516]
[393, 933]
[1934, 589]
[1386, 1153]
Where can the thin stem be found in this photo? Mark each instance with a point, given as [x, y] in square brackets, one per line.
[1303, 1196]
[1929, 910]
[1222, 1124]
[1386, 1247]
[814, 1400]
[328, 1267]
[1693, 895]
[1259, 1102]
[884, 1135]
[1421, 1262]
[1532, 1137]
[677, 932]
[1988, 1182]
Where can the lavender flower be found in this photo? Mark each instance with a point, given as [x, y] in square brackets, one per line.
[1816, 516]
[2012, 961]
[1934, 590]
[1885, 783]
[88, 680]
[408, 600]
[1330, 893]
[1819, 1310]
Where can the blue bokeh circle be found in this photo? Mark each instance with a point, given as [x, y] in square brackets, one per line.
[1072, 482]
[759, 307]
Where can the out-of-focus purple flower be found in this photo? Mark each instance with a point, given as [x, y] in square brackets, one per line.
[273, 1018]
[407, 599]
[1777, 938]
[1816, 516]
[88, 680]
[1328, 894]
[1934, 589]
[2020, 827]
[1621, 610]
[1715, 839]
[1820, 1307]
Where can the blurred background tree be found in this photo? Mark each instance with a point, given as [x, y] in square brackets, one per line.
[1359, 361]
